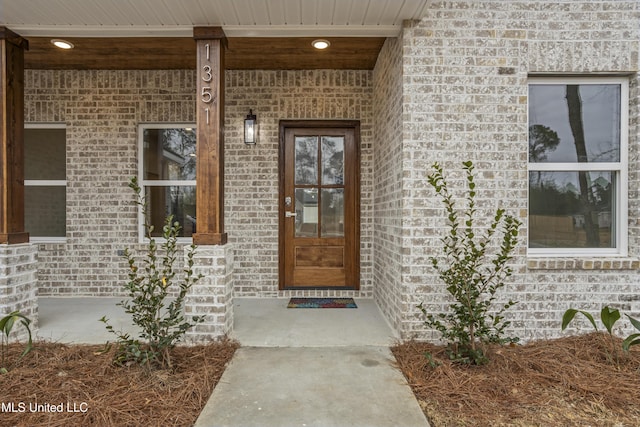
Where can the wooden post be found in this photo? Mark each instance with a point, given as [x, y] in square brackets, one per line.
[12, 48]
[210, 45]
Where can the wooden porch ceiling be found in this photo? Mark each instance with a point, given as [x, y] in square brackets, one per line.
[268, 53]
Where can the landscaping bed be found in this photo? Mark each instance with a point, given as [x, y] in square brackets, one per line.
[572, 381]
[82, 382]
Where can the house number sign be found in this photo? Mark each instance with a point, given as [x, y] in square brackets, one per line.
[209, 108]
[206, 74]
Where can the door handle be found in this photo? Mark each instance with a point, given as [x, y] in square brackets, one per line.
[290, 214]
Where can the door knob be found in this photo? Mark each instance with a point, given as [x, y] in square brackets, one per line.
[290, 214]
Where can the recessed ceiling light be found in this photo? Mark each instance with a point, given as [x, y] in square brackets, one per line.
[320, 44]
[62, 44]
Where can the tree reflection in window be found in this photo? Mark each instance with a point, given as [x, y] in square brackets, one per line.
[169, 173]
[332, 160]
[573, 124]
[306, 162]
[319, 202]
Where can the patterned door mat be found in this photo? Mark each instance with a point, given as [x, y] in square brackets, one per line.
[322, 303]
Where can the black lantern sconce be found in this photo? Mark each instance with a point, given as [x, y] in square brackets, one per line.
[250, 129]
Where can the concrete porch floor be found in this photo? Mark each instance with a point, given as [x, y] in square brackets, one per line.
[258, 322]
[268, 323]
[76, 320]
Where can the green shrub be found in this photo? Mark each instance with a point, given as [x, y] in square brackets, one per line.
[608, 316]
[159, 317]
[6, 326]
[473, 273]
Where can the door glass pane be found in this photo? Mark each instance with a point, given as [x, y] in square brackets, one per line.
[333, 160]
[306, 165]
[574, 123]
[571, 209]
[306, 212]
[332, 212]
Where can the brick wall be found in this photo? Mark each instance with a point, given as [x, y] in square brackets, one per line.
[465, 68]
[102, 110]
[388, 203]
[251, 172]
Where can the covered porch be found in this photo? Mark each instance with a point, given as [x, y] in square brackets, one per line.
[189, 64]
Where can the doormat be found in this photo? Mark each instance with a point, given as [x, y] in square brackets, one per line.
[322, 303]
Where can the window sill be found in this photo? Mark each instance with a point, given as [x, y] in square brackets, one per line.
[605, 263]
[186, 241]
[45, 240]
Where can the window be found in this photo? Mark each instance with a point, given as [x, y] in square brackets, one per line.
[578, 166]
[45, 185]
[168, 175]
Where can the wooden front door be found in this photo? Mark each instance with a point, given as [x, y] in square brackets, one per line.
[319, 204]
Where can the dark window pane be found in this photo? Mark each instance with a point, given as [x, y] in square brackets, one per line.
[574, 123]
[179, 201]
[571, 209]
[169, 154]
[45, 156]
[45, 211]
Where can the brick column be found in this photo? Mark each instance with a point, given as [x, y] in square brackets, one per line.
[18, 258]
[19, 284]
[212, 295]
[210, 44]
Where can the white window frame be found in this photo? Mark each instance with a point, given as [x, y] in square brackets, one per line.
[620, 169]
[46, 182]
[142, 238]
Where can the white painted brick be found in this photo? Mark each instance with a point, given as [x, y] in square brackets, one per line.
[102, 110]
[457, 106]
[19, 284]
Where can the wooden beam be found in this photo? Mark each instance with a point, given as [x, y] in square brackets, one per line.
[95, 53]
[12, 49]
[244, 53]
[210, 46]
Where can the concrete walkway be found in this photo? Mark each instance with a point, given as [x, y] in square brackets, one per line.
[296, 367]
[311, 367]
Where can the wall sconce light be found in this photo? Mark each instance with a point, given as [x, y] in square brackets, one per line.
[250, 129]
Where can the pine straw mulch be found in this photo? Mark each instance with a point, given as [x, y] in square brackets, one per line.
[113, 396]
[562, 382]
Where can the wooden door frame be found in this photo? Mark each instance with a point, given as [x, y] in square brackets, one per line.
[329, 124]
